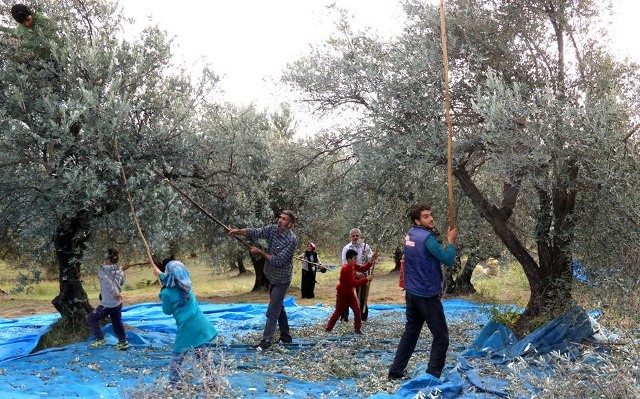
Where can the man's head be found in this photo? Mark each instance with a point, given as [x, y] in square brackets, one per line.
[286, 219]
[22, 14]
[355, 235]
[352, 256]
[421, 215]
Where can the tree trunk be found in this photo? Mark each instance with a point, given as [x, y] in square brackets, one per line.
[72, 301]
[551, 291]
[449, 272]
[240, 261]
[550, 280]
[261, 282]
[462, 285]
[397, 256]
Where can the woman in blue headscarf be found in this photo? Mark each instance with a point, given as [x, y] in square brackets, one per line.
[193, 330]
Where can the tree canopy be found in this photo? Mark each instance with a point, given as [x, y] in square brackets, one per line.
[545, 141]
[544, 120]
[62, 113]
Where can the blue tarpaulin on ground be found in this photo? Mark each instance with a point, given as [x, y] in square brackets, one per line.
[101, 372]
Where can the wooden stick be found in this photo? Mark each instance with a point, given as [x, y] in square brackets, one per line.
[312, 263]
[366, 294]
[201, 208]
[123, 176]
[447, 106]
[138, 264]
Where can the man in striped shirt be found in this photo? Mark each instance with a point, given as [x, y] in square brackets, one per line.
[278, 269]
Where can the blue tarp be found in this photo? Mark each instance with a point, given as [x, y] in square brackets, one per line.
[101, 372]
[579, 273]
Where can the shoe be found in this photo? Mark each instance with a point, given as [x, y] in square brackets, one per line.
[286, 339]
[395, 376]
[98, 343]
[260, 347]
[121, 346]
[358, 333]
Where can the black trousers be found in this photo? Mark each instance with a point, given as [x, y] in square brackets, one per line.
[422, 310]
[308, 284]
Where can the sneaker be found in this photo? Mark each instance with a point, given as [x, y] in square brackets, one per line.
[358, 333]
[286, 339]
[98, 343]
[121, 346]
[395, 376]
[260, 347]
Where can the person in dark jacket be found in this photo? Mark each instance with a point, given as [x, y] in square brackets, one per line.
[310, 265]
[423, 285]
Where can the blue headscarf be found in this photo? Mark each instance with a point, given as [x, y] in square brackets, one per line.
[176, 275]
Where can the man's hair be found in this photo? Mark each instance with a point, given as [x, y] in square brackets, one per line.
[354, 230]
[113, 255]
[416, 210]
[20, 12]
[290, 215]
[351, 253]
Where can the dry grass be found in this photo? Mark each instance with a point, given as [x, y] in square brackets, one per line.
[209, 286]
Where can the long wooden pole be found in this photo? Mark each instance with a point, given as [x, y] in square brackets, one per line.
[313, 263]
[366, 294]
[447, 107]
[201, 208]
[123, 176]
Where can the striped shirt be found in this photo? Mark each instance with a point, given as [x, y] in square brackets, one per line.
[281, 248]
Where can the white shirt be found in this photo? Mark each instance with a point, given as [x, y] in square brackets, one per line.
[359, 248]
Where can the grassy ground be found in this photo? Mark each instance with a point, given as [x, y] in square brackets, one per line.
[209, 286]
[509, 286]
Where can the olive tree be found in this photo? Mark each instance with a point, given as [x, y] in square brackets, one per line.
[544, 120]
[65, 111]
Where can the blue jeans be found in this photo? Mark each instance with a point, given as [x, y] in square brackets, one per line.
[422, 310]
[99, 313]
[276, 314]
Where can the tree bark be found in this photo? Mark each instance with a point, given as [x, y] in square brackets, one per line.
[550, 279]
[240, 262]
[261, 281]
[462, 284]
[72, 301]
[397, 256]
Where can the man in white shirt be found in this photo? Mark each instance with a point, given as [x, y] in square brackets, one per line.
[364, 254]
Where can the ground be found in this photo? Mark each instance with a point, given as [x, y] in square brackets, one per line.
[384, 289]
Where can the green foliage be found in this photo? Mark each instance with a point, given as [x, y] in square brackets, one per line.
[544, 122]
[504, 314]
[63, 117]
